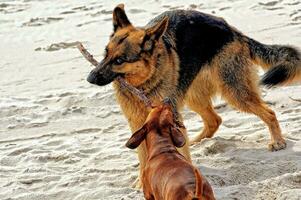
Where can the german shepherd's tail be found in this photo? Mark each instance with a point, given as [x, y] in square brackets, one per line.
[283, 63]
[198, 185]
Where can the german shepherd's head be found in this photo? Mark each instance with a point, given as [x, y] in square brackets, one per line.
[129, 53]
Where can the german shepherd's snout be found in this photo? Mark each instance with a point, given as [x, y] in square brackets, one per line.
[101, 75]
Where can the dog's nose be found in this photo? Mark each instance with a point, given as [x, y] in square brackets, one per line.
[101, 78]
[92, 77]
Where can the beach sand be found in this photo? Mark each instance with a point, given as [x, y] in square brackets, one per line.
[63, 138]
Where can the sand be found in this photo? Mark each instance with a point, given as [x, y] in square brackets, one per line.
[62, 138]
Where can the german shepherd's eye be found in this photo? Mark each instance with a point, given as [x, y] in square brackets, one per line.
[119, 61]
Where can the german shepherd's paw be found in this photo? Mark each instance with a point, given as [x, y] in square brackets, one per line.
[199, 138]
[196, 140]
[277, 145]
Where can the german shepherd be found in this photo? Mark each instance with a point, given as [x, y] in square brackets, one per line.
[190, 57]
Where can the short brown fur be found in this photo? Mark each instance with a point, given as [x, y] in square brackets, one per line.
[167, 174]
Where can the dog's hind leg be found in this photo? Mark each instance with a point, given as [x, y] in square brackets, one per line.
[210, 118]
[256, 106]
[238, 85]
[198, 99]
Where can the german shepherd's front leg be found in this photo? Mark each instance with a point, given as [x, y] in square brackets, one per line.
[136, 113]
[185, 149]
[178, 104]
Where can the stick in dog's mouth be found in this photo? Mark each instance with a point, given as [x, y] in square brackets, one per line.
[140, 94]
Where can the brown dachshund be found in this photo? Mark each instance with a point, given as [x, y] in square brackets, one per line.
[167, 174]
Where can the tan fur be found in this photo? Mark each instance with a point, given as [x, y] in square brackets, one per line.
[261, 63]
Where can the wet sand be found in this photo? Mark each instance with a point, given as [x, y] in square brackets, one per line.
[62, 138]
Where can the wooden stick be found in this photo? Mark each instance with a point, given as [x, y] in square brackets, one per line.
[87, 55]
[140, 94]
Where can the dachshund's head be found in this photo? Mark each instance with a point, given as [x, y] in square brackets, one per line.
[161, 120]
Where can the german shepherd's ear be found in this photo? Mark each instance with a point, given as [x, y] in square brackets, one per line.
[137, 138]
[156, 31]
[120, 20]
[177, 137]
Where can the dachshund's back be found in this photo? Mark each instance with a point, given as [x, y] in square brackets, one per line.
[167, 174]
[172, 178]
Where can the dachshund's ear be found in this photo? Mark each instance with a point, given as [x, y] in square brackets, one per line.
[177, 136]
[137, 138]
[120, 20]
